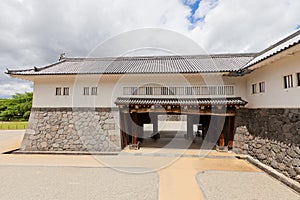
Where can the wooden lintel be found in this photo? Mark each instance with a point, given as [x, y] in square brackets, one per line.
[208, 113]
[228, 112]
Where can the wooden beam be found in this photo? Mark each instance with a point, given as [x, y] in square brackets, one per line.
[191, 111]
[231, 132]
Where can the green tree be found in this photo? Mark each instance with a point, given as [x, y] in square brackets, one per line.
[16, 108]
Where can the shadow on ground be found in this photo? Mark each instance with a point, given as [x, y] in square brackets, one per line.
[172, 140]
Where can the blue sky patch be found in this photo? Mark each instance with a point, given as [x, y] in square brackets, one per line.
[193, 5]
[298, 27]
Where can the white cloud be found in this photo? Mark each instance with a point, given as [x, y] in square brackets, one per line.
[204, 8]
[246, 26]
[190, 2]
[12, 88]
[34, 32]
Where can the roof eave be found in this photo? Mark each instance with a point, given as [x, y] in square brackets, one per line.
[274, 57]
[121, 73]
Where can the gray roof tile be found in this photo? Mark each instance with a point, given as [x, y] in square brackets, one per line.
[143, 65]
[161, 64]
[180, 101]
[278, 47]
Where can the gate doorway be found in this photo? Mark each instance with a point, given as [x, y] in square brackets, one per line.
[211, 121]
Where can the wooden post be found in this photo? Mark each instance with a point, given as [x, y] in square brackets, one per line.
[220, 130]
[205, 120]
[134, 128]
[122, 128]
[155, 124]
[222, 139]
[190, 121]
[154, 121]
[140, 128]
[231, 132]
[128, 127]
[213, 129]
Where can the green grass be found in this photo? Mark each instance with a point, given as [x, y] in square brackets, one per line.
[13, 125]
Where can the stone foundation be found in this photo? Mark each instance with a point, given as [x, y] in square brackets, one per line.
[272, 136]
[72, 129]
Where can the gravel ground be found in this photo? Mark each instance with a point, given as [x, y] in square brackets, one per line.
[35, 182]
[217, 185]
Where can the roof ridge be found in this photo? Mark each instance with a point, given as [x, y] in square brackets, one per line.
[36, 69]
[8, 71]
[50, 65]
[225, 55]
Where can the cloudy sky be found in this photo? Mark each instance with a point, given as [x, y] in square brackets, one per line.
[35, 32]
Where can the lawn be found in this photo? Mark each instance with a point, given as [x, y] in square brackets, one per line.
[13, 125]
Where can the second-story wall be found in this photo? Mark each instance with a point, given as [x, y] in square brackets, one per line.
[109, 87]
[273, 75]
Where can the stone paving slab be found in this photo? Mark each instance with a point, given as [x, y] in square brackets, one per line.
[60, 183]
[216, 185]
[176, 175]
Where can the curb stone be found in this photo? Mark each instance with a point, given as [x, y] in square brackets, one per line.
[272, 172]
[66, 153]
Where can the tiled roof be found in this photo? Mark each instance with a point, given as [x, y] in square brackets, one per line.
[161, 64]
[140, 65]
[180, 101]
[280, 46]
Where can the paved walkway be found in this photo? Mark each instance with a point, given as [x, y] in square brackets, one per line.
[10, 140]
[138, 174]
[217, 185]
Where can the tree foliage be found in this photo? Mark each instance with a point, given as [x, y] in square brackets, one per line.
[16, 108]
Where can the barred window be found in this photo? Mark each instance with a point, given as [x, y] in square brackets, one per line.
[188, 90]
[86, 91]
[180, 90]
[288, 81]
[164, 91]
[149, 91]
[94, 91]
[298, 78]
[172, 91]
[58, 91]
[66, 91]
[254, 88]
[261, 87]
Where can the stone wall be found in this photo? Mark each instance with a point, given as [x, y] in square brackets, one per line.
[271, 136]
[72, 129]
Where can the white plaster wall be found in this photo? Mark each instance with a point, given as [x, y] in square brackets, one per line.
[111, 86]
[275, 95]
[44, 91]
